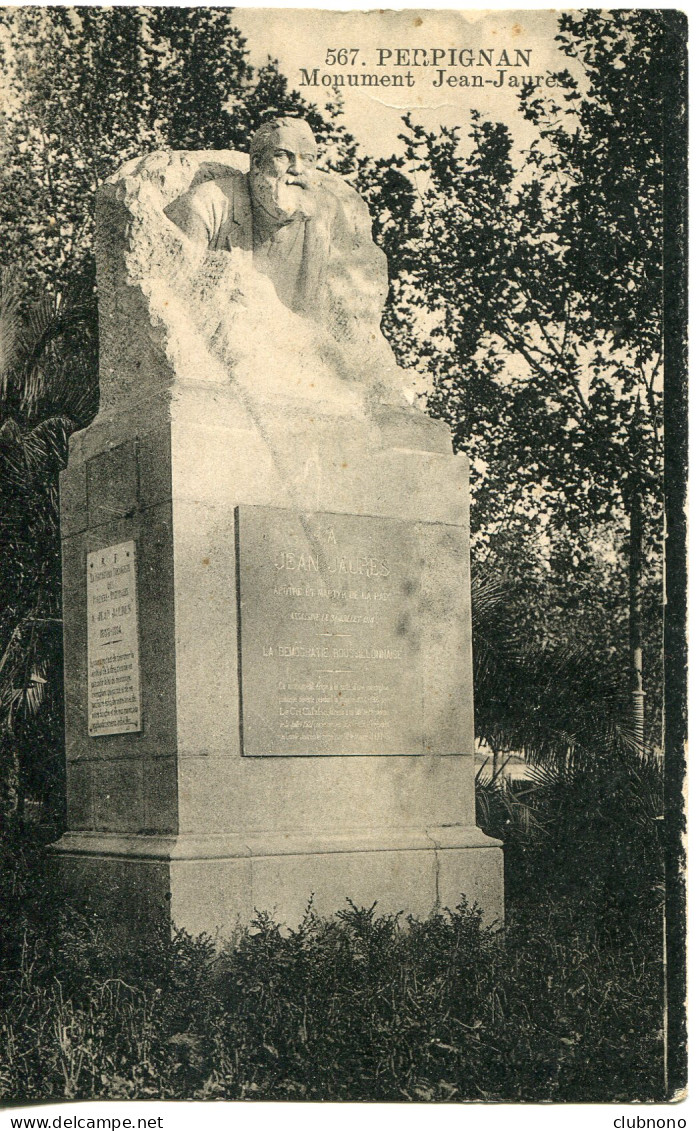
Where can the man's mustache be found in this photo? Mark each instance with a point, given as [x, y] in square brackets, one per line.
[299, 181]
[285, 195]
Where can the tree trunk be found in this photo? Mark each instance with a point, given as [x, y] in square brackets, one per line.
[635, 627]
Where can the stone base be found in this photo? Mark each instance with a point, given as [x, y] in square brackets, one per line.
[213, 884]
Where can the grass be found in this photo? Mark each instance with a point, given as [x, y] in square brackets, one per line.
[564, 1005]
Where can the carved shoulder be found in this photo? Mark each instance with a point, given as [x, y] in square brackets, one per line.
[206, 212]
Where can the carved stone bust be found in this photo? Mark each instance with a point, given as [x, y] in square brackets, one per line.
[309, 232]
[260, 270]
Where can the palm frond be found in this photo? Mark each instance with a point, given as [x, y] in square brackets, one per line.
[46, 445]
[560, 705]
[55, 315]
[487, 596]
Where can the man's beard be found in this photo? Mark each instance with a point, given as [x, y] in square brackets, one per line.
[285, 198]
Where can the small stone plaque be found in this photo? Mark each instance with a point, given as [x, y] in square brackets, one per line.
[113, 660]
[330, 658]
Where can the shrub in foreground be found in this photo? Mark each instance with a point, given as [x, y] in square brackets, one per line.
[357, 1007]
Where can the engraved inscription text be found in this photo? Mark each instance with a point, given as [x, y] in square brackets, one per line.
[330, 651]
[113, 662]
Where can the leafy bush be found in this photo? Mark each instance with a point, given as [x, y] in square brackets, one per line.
[564, 1005]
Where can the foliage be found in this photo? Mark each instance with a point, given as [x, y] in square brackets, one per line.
[591, 835]
[47, 353]
[89, 88]
[617, 153]
[86, 89]
[541, 281]
[520, 665]
[541, 327]
[564, 1005]
[529, 287]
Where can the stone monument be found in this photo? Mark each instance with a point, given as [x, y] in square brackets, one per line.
[265, 567]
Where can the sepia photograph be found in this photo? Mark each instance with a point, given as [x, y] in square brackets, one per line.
[343, 433]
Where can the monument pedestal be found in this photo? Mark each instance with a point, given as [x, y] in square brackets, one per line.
[305, 723]
[266, 594]
[214, 883]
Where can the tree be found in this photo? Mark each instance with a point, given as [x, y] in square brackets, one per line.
[88, 88]
[44, 397]
[541, 284]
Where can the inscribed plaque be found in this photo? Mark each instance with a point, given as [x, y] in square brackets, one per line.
[113, 660]
[329, 635]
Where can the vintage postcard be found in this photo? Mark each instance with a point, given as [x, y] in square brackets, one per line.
[342, 641]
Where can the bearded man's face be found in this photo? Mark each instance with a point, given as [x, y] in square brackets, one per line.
[282, 175]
